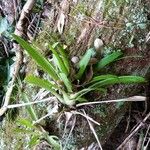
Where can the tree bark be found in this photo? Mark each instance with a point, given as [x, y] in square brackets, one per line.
[77, 24]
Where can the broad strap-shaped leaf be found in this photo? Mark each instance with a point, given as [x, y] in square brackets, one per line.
[40, 82]
[44, 84]
[131, 79]
[108, 59]
[121, 79]
[60, 62]
[81, 100]
[66, 82]
[84, 62]
[109, 81]
[64, 56]
[38, 58]
[80, 93]
[102, 77]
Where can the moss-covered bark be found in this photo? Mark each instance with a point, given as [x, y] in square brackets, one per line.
[122, 25]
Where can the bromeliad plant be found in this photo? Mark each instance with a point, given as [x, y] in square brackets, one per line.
[59, 69]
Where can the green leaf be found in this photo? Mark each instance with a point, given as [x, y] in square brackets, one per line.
[131, 79]
[67, 100]
[39, 58]
[84, 62]
[24, 131]
[60, 62]
[80, 93]
[40, 82]
[102, 77]
[64, 56]
[109, 81]
[66, 82]
[54, 141]
[44, 84]
[29, 108]
[81, 100]
[34, 140]
[108, 59]
[102, 90]
[55, 45]
[25, 122]
[115, 80]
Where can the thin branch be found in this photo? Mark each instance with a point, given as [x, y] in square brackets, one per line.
[146, 135]
[70, 132]
[30, 103]
[130, 99]
[93, 130]
[134, 132]
[86, 116]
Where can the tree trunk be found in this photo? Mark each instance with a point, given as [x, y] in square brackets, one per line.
[121, 25]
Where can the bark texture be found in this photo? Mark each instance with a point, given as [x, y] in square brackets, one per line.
[121, 25]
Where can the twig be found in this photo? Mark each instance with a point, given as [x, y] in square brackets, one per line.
[134, 132]
[93, 130]
[70, 132]
[86, 116]
[146, 135]
[146, 146]
[18, 31]
[129, 99]
[49, 114]
[30, 103]
[128, 120]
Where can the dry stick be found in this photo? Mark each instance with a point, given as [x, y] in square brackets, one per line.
[129, 99]
[31, 103]
[18, 31]
[146, 135]
[133, 133]
[86, 116]
[70, 132]
[93, 130]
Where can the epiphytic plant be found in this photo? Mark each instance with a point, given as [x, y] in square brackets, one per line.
[61, 85]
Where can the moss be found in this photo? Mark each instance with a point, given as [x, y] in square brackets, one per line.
[100, 110]
[81, 9]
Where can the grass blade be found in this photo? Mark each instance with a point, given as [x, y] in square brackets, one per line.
[84, 62]
[25, 122]
[108, 59]
[39, 58]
